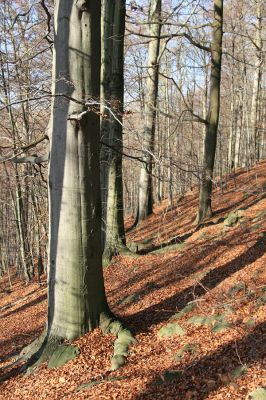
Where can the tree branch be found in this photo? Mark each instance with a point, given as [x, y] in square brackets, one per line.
[48, 21]
[173, 35]
[190, 109]
[34, 159]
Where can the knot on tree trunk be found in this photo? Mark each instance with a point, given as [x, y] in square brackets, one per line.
[83, 5]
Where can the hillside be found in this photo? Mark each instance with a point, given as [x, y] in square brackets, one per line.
[195, 299]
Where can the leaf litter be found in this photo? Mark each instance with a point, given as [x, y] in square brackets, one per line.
[216, 278]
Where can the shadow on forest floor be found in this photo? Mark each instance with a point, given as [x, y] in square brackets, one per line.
[215, 369]
[25, 306]
[142, 319]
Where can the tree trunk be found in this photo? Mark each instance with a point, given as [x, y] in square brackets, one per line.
[232, 138]
[145, 198]
[107, 41]
[169, 145]
[205, 210]
[115, 242]
[76, 296]
[76, 289]
[22, 226]
[254, 116]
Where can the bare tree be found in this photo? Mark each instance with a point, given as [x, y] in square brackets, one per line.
[76, 296]
[112, 127]
[145, 197]
[205, 210]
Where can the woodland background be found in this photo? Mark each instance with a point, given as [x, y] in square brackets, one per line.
[159, 144]
[184, 79]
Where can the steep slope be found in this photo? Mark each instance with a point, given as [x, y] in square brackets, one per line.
[195, 298]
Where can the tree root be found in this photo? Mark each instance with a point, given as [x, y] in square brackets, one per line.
[110, 324]
[52, 349]
[110, 252]
[47, 348]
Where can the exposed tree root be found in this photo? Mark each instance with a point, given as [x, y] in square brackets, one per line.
[52, 349]
[200, 218]
[47, 348]
[28, 352]
[110, 324]
[209, 222]
[110, 252]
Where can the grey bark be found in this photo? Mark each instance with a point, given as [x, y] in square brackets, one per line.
[111, 129]
[22, 225]
[76, 289]
[169, 146]
[255, 134]
[107, 19]
[232, 138]
[145, 197]
[205, 210]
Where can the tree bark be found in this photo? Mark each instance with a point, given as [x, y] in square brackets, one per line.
[115, 241]
[107, 20]
[76, 289]
[205, 210]
[22, 225]
[256, 136]
[145, 197]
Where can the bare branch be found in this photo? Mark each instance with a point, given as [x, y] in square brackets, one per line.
[171, 36]
[33, 144]
[34, 159]
[22, 15]
[48, 21]
[189, 109]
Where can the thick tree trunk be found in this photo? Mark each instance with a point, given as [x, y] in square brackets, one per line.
[205, 210]
[76, 289]
[76, 298]
[145, 198]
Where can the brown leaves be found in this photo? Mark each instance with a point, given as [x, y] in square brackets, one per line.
[216, 273]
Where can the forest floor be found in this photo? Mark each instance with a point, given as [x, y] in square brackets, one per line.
[205, 287]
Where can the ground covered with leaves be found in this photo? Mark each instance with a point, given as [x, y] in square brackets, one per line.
[194, 297]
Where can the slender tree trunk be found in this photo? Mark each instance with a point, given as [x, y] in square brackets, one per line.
[255, 135]
[19, 205]
[107, 41]
[205, 210]
[169, 144]
[263, 136]
[22, 233]
[37, 237]
[115, 241]
[232, 139]
[159, 180]
[145, 198]
[246, 122]
[238, 160]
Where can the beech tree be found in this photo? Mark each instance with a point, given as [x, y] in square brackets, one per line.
[76, 292]
[76, 296]
[145, 197]
[181, 109]
[112, 98]
[255, 140]
[24, 56]
[205, 210]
